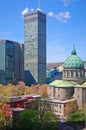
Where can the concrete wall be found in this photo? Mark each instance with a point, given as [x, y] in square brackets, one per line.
[78, 96]
[60, 93]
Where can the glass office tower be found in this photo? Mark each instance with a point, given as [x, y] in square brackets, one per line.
[35, 47]
[6, 62]
[11, 62]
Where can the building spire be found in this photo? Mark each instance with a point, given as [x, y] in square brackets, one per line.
[38, 4]
[73, 50]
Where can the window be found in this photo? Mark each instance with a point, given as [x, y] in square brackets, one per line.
[59, 106]
[58, 96]
[54, 92]
[58, 89]
[66, 95]
[50, 87]
[78, 96]
[50, 94]
[55, 73]
[55, 104]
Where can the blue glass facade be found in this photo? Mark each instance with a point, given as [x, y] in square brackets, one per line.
[11, 70]
[2, 63]
[35, 47]
[9, 62]
[6, 62]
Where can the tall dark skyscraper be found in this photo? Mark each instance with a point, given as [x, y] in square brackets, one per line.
[35, 47]
[11, 61]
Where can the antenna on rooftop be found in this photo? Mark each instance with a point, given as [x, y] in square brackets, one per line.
[73, 45]
[38, 4]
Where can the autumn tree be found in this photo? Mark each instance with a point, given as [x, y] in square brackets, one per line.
[3, 95]
[34, 89]
[43, 90]
[1, 119]
[20, 88]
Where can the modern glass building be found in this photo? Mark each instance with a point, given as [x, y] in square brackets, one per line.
[35, 47]
[10, 67]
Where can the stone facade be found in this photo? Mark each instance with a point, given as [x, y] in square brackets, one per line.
[60, 108]
[35, 48]
[69, 93]
[60, 93]
[76, 75]
[80, 95]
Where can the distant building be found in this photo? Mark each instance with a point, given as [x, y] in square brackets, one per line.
[59, 108]
[11, 61]
[58, 65]
[52, 75]
[35, 48]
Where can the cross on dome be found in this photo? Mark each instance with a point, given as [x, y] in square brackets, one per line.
[73, 50]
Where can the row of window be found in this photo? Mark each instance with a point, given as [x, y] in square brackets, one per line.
[56, 105]
[57, 111]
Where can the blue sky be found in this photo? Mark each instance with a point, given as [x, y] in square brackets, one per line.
[66, 25]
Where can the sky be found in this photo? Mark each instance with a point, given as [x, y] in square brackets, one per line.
[66, 25]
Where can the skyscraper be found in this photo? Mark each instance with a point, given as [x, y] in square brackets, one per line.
[11, 67]
[35, 47]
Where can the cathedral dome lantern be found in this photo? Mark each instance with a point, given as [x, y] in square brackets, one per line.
[73, 50]
[74, 68]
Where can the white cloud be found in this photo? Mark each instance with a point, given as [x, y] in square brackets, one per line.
[31, 9]
[63, 16]
[51, 14]
[67, 2]
[39, 9]
[25, 11]
[60, 16]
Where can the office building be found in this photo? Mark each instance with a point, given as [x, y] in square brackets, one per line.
[11, 62]
[35, 47]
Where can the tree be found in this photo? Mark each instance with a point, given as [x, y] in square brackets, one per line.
[20, 88]
[49, 121]
[47, 117]
[28, 120]
[1, 119]
[43, 90]
[77, 116]
[41, 106]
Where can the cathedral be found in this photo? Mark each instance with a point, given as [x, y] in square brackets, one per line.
[69, 93]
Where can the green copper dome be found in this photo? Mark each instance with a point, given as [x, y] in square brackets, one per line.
[73, 61]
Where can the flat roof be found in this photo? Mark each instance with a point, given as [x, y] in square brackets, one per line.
[58, 101]
[17, 109]
[35, 12]
[5, 41]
